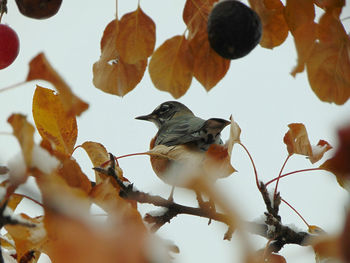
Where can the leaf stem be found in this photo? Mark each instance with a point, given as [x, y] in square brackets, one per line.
[279, 175]
[13, 85]
[302, 218]
[253, 164]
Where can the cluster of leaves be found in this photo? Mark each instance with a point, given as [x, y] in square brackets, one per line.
[322, 47]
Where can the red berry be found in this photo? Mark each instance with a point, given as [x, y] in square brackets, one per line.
[9, 46]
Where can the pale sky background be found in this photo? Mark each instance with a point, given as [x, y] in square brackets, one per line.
[258, 91]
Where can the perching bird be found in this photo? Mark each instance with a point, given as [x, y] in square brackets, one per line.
[177, 125]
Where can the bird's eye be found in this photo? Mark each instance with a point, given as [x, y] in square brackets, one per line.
[164, 108]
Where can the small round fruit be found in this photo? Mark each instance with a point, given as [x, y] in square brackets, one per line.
[234, 29]
[39, 9]
[9, 46]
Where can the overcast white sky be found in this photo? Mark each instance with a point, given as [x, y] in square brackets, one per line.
[258, 91]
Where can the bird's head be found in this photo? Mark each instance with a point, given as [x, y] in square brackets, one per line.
[165, 112]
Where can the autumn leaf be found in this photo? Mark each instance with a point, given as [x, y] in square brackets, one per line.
[28, 238]
[209, 68]
[24, 132]
[300, 15]
[297, 142]
[195, 15]
[328, 67]
[111, 73]
[52, 122]
[40, 68]
[171, 66]
[235, 134]
[339, 164]
[263, 257]
[136, 36]
[326, 247]
[345, 239]
[315, 230]
[275, 29]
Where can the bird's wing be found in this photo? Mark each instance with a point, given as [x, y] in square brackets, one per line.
[180, 131]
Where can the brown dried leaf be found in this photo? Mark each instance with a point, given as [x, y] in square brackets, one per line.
[40, 68]
[209, 67]
[52, 121]
[111, 73]
[24, 132]
[28, 238]
[171, 66]
[345, 239]
[275, 29]
[326, 247]
[297, 142]
[195, 15]
[300, 15]
[328, 67]
[339, 164]
[235, 134]
[136, 36]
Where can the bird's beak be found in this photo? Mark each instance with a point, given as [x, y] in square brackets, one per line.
[148, 117]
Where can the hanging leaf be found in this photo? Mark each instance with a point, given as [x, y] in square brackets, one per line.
[171, 66]
[300, 15]
[136, 37]
[209, 67]
[328, 67]
[40, 68]
[52, 121]
[195, 15]
[24, 132]
[275, 29]
[111, 73]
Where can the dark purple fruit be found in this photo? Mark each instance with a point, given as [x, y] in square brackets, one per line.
[234, 29]
[39, 9]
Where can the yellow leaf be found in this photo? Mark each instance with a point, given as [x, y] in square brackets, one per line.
[24, 132]
[111, 73]
[171, 66]
[209, 67]
[40, 68]
[275, 29]
[136, 36]
[328, 67]
[195, 15]
[52, 121]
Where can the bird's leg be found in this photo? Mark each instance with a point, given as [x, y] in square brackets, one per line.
[171, 196]
[205, 205]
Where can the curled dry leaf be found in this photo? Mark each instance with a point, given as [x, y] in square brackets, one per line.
[235, 134]
[111, 73]
[52, 122]
[339, 164]
[195, 15]
[328, 67]
[24, 132]
[327, 248]
[209, 68]
[136, 36]
[171, 66]
[297, 142]
[300, 15]
[271, 13]
[40, 68]
[28, 238]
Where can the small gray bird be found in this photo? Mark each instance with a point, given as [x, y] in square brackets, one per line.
[178, 125]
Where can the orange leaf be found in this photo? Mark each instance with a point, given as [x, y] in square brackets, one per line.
[275, 29]
[136, 36]
[171, 66]
[345, 239]
[300, 17]
[40, 68]
[260, 257]
[14, 201]
[209, 67]
[52, 121]
[315, 230]
[326, 247]
[339, 164]
[328, 67]
[28, 238]
[73, 175]
[111, 73]
[24, 132]
[195, 15]
[297, 142]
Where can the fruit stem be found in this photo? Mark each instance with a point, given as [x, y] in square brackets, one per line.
[253, 164]
[294, 172]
